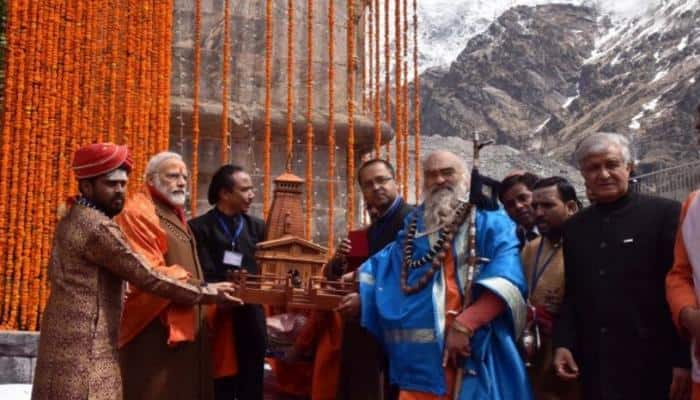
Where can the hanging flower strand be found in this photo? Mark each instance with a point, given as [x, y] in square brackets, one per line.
[351, 117]
[309, 118]
[331, 128]
[290, 83]
[268, 106]
[195, 103]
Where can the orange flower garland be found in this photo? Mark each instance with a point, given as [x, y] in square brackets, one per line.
[195, 104]
[398, 94]
[387, 81]
[309, 117]
[368, 82]
[331, 128]
[268, 106]
[404, 102]
[350, 208]
[225, 135]
[377, 94]
[416, 105]
[77, 72]
[363, 74]
[290, 82]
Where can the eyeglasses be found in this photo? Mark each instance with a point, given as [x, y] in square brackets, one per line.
[379, 180]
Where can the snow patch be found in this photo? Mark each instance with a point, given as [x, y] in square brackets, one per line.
[659, 75]
[634, 123]
[542, 125]
[683, 44]
[651, 106]
[569, 100]
[616, 60]
[692, 81]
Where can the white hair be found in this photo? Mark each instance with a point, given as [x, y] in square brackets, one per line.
[599, 142]
[155, 161]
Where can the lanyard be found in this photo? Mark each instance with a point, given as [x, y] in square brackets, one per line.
[537, 271]
[382, 222]
[224, 227]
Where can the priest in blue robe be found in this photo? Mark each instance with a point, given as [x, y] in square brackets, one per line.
[411, 296]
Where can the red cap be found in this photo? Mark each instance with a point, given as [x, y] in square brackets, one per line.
[100, 158]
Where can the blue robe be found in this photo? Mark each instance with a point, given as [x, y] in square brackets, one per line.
[412, 327]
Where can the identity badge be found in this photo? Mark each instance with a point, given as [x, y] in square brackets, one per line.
[233, 258]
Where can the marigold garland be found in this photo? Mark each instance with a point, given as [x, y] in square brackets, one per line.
[377, 93]
[387, 80]
[290, 82]
[331, 127]
[268, 106]
[77, 72]
[363, 72]
[195, 103]
[225, 135]
[309, 117]
[398, 96]
[416, 106]
[404, 102]
[350, 211]
[20, 289]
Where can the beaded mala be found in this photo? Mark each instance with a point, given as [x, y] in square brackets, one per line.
[435, 255]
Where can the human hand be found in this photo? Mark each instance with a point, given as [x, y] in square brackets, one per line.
[680, 385]
[225, 294]
[349, 306]
[344, 248]
[457, 344]
[564, 364]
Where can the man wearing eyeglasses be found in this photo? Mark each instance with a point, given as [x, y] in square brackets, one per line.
[351, 368]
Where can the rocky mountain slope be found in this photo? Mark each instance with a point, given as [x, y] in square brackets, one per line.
[540, 78]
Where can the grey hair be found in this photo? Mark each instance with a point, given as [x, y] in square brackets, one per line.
[155, 161]
[599, 142]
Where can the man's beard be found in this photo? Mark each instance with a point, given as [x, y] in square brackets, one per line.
[175, 197]
[441, 203]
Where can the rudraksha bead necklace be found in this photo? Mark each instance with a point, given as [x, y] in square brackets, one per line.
[436, 254]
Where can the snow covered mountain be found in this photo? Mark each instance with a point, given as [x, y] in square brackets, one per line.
[538, 78]
[445, 26]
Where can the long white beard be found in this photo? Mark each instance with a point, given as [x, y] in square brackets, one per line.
[176, 197]
[441, 204]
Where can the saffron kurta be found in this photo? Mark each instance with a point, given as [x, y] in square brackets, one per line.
[164, 347]
[412, 327]
[78, 344]
[348, 363]
[681, 286]
[546, 295]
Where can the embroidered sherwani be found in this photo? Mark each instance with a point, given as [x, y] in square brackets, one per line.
[412, 327]
[164, 347]
[78, 344]
[545, 277]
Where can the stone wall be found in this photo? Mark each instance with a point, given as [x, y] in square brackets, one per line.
[246, 103]
[18, 351]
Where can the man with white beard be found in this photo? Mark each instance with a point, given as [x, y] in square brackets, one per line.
[164, 348]
[411, 296]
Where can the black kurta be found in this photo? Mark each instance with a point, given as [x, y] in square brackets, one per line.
[249, 320]
[615, 318]
[361, 357]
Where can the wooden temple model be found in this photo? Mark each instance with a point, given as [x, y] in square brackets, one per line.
[290, 265]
